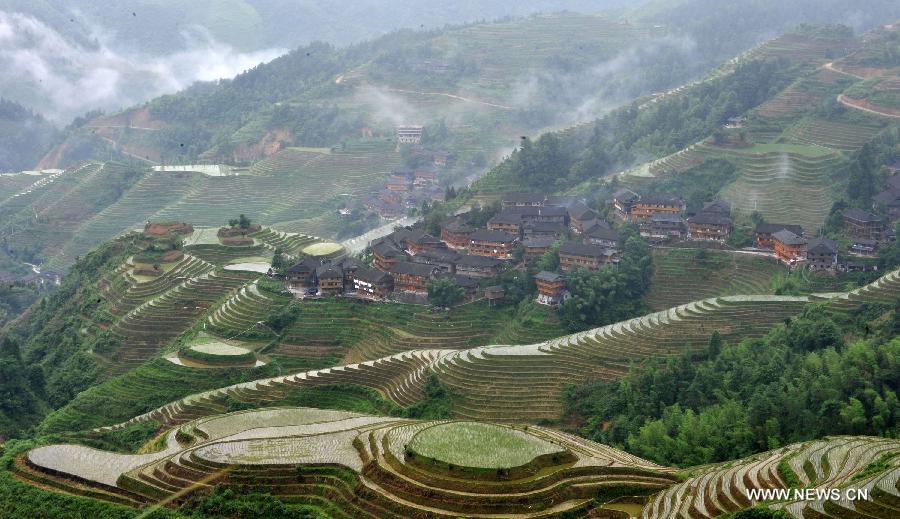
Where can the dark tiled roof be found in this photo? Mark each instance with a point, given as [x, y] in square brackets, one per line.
[822, 246]
[626, 195]
[666, 218]
[544, 227]
[329, 271]
[413, 269]
[581, 249]
[602, 233]
[477, 261]
[488, 235]
[580, 211]
[464, 281]
[308, 264]
[507, 217]
[788, 238]
[888, 198]
[539, 242]
[458, 225]
[717, 206]
[373, 276]
[706, 218]
[861, 215]
[772, 228]
[387, 250]
[548, 276]
[440, 255]
[662, 199]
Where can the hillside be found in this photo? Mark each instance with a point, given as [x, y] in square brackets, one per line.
[520, 381]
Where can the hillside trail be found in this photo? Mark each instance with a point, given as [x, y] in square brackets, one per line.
[452, 96]
[830, 66]
[844, 100]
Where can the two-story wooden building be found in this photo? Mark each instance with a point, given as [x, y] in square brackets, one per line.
[623, 201]
[444, 259]
[386, 255]
[665, 226]
[330, 279]
[572, 255]
[522, 200]
[710, 226]
[764, 233]
[497, 244]
[601, 234]
[413, 277]
[506, 221]
[656, 203]
[302, 275]
[822, 254]
[551, 288]
[859, 223]
[536, 247]
[372, 283]
[579, 214]
[478, 266]
[456, 233]
[789, 247]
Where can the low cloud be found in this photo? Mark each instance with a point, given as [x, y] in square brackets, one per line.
[62, 79]
[386, 107]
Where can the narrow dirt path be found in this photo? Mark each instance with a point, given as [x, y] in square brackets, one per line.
[452, 96]
[844, 100]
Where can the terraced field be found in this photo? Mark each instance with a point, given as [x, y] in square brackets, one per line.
[683, 275]
[830, 463]
[353, 465]
[832, 134]
[515, 384]
[784, 183]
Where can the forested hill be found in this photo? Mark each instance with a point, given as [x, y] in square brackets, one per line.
[24, 136]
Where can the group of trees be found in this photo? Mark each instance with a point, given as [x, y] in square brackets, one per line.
[613, 293]
[801, 381]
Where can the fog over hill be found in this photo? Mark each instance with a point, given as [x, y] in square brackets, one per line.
[70, 57]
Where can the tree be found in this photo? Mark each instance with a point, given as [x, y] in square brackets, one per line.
[280, 263]
[444, 293]
[243, 221]
[233, 222]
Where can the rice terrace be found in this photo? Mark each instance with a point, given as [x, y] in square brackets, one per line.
[622, 259]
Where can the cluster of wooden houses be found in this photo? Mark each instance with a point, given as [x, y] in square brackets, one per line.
[663, 216]
[406, 189]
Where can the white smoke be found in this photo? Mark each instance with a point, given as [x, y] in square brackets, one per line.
[385, 107]
[62, 79]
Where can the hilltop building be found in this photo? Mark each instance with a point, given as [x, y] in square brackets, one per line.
[551, 288]
[410, 134]
[764, 233]
[859, 223]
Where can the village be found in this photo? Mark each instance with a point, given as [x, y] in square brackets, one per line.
[401, 265]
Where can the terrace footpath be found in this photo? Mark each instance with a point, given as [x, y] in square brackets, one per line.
[523, 383]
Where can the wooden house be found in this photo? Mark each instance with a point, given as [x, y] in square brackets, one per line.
[656, 203]
[330, 279]
[386, 255]
[572, 255]
[789, 247]
[864, 247]
[522, 200]
[551, 288]
[764, 233]
[536, 247]
[478, 266]
[456, 233]
[444, 259]
[543, 230]
[623, 202]
[859, 223]
[710, 226]
[497, 244]
[601, 234]
[821, 254]
[373, 283]
[579, 214]
[302, 275]
[506, 221]
[665, 226]
[413, 277]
